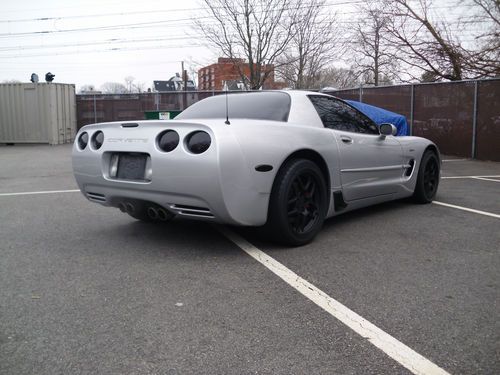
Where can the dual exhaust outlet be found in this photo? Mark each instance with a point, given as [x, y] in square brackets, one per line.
[154, 213]
[158, 213]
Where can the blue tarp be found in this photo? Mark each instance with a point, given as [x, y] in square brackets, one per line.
[380, 115]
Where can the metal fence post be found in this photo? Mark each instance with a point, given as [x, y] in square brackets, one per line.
[412, 106]
[474, 121]
[95, 111]
[361, 93]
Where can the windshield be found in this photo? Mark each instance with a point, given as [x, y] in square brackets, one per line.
[262, 105]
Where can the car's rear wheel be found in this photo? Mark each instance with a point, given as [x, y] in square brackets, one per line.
[297, 206]
[427, 179]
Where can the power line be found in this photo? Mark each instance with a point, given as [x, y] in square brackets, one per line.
[164, 24]
[98, 28]
[168, 23]
[98, 15]
[158, 11]
[93, 43]
[129, 25]
[114, 49]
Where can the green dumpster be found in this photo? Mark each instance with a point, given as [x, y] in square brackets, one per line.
[161, 115]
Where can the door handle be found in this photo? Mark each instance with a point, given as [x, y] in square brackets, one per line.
[346, 139]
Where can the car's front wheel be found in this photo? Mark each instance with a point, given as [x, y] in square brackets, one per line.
[428, 178]
[298, 203]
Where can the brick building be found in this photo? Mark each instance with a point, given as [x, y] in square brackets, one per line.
[225, 74]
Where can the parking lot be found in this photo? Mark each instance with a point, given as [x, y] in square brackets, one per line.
[87, 289]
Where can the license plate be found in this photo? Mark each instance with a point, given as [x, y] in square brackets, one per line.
[131, 166]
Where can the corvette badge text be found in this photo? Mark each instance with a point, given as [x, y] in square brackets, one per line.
[128, 140]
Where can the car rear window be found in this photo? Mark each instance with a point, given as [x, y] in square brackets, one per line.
[274, 106]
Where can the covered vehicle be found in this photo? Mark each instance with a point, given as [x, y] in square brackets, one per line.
[285, 160]
[381, 116]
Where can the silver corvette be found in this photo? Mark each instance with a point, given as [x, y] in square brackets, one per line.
[285, 160]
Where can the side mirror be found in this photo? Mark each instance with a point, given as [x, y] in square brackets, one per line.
[387, 129]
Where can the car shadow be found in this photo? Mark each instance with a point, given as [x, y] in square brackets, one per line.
[259, 238]
[181, 236]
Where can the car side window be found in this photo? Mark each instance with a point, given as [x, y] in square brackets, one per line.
[338, 115]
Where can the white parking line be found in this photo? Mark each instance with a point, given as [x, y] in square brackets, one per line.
[485, 179]
[467, 209]
[395, 349]
[38, 192]
[458, 177]
[447, 160]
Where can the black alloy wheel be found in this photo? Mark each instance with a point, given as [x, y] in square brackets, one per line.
[431, 177]
[298, 203]
[428, 178]
[303, 203]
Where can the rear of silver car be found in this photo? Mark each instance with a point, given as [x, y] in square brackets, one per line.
[122, 165]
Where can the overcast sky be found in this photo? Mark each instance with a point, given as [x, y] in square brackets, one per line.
[97, 41]
[145, 39]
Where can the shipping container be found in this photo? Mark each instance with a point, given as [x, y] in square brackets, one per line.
[37, 113]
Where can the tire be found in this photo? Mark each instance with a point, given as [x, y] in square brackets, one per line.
[297, 206]
[427, 179]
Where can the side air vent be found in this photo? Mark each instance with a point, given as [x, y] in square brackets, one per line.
[409, 168]
[191, 211]
[96, 197]
[130, 125]
[338, 201]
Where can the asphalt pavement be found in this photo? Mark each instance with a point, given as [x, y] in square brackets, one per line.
[86, 289]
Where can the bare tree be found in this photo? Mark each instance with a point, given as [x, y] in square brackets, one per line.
[312, 48]
[192, 68]
[374, 55]
[338, 78]
[133, 86]
[129, 83]
[139, 87]
[256, 30]
[484, 61]
[86, 88]
[423, 43]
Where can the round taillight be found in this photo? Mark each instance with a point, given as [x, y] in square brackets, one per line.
[168, 140]
[83, 140]
[97, 140]
[198, 142]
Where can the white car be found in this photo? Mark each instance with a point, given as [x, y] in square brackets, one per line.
[283, 159]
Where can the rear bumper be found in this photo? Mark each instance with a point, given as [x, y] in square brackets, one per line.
[182, 205]
[184, 183]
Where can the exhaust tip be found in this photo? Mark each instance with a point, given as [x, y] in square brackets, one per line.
[162, 214]
[152, 213]
[122, 207]
[129, 207]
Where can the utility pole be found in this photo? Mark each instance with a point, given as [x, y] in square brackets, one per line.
[184, 84]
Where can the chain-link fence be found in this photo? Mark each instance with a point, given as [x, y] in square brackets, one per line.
[92, 108]
[462, 118]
